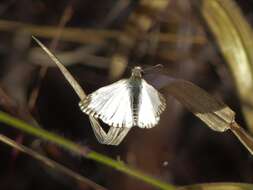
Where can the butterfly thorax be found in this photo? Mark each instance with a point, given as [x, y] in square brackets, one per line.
[137, 72]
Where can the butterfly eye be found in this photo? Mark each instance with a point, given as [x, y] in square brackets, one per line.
[141, 70]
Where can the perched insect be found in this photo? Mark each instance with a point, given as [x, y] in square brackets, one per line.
[122, 105]
[126, 103]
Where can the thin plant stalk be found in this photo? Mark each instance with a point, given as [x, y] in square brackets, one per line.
[48, 162]
[82, 151]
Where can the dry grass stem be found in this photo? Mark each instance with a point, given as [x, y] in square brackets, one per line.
[114, 135]
[50, 163]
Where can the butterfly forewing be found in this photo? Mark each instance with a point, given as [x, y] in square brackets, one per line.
[151, 105]
[126, 103]
[111, 104]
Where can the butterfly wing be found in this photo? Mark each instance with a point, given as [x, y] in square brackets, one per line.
[111, 104]
[151, 105]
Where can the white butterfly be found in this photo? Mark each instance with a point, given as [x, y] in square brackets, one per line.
[126, 103]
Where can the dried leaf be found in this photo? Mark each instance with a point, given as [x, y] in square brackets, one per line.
[218, 116]
[214, 113]
[234, 37]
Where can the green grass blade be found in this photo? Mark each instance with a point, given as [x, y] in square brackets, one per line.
[83, 151]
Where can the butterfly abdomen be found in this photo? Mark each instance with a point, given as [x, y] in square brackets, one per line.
[135, 88]
[135, 108]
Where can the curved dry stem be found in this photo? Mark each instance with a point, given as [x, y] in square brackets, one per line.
[78, 89]
[115, 135]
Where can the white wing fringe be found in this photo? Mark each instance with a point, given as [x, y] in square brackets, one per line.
[111, 104]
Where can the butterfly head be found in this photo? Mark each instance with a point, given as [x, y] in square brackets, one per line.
[137, 72]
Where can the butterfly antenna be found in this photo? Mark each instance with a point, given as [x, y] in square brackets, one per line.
[158, 67]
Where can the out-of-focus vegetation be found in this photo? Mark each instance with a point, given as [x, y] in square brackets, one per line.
[207, 42]
[234, 36]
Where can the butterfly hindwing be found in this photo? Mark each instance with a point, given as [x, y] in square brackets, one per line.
[111, 104]
[151, 105]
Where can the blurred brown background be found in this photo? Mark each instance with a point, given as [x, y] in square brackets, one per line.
[180, 150]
